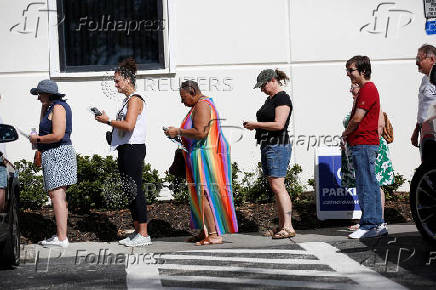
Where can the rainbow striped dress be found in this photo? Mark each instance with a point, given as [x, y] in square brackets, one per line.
[209, 171]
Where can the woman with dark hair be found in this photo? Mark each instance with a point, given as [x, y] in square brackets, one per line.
[59, 164]
[208, 167]
[128, 138]
[272, 135]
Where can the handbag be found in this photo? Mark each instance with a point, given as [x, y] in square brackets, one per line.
[109, 137]
[37, 159]
[388, 130]
[178, 168]
[432, 76]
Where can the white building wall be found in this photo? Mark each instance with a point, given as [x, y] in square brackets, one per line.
[224, 45]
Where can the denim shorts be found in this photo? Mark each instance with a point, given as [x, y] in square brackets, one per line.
[3, 175]
[275, 159]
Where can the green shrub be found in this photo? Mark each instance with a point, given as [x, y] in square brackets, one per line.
[292, 183]
[254, 187]
[311, 182]
[118, 191]
[32, 194]
[92, 173]
[390, 190]
[238, 190]
[151, 183]
[178, 186]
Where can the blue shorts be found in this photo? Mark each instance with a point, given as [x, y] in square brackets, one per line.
[275, 159]
[3, 177]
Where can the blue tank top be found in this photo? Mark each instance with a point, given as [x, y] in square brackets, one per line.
[45, 126]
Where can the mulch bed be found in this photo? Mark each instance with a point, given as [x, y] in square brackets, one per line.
[172, 219]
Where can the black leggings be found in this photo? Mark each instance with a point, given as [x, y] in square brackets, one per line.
[130, 164]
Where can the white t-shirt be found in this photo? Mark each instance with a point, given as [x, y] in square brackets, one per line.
[426, 100]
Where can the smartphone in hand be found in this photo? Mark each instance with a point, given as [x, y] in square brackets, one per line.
[96, 111]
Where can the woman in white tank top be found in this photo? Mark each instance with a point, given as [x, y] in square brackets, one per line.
[128, 138]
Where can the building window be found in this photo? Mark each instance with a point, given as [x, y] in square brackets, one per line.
[95, 35]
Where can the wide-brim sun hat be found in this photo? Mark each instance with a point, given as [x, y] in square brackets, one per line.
[47, 87]
[265, 76]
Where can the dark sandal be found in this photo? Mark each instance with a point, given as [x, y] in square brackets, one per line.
[284, 233]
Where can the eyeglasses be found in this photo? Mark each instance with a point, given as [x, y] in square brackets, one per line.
[419, 58]
[350, 70]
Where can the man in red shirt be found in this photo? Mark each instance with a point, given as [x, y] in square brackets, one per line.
[362, 136]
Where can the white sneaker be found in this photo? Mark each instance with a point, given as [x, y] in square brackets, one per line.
[54, 241]
[358, 234]
[138, 241]
[128, 239]
[382, 229]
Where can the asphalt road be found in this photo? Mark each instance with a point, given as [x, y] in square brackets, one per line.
[320, 259]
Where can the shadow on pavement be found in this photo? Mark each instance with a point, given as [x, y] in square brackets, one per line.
[405, 258]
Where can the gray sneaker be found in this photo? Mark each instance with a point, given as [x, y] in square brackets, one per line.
[138, 241]
[54, 241]
[128, 239]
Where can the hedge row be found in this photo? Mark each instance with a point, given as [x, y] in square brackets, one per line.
[100, 185]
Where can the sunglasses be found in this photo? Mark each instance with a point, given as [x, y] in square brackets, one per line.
[350, 70]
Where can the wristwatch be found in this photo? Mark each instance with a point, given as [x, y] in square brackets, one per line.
[38, 140]
[109, 122]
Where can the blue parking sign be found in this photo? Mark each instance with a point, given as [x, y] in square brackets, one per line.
[430, 27]
[332, 200]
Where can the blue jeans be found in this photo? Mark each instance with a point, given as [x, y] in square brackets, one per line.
[367, 186]
[275, 159]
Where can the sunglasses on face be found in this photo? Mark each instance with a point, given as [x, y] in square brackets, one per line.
[350, 70]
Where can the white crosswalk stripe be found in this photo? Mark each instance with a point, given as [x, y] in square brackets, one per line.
[312, 265]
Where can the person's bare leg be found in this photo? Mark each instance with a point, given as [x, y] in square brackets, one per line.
[60, 210]
[2, 199]
[141, 228]
[278, 207]
[283, 201]
[210, 221]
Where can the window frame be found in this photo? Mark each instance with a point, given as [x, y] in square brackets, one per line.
[168, 14]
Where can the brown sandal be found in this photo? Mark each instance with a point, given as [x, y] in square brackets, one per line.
[271, 232]
[207, 241]
[284, 233]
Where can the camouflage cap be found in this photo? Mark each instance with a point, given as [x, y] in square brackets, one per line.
[265, 76]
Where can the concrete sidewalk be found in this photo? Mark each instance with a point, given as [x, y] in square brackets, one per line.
[172, 244]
